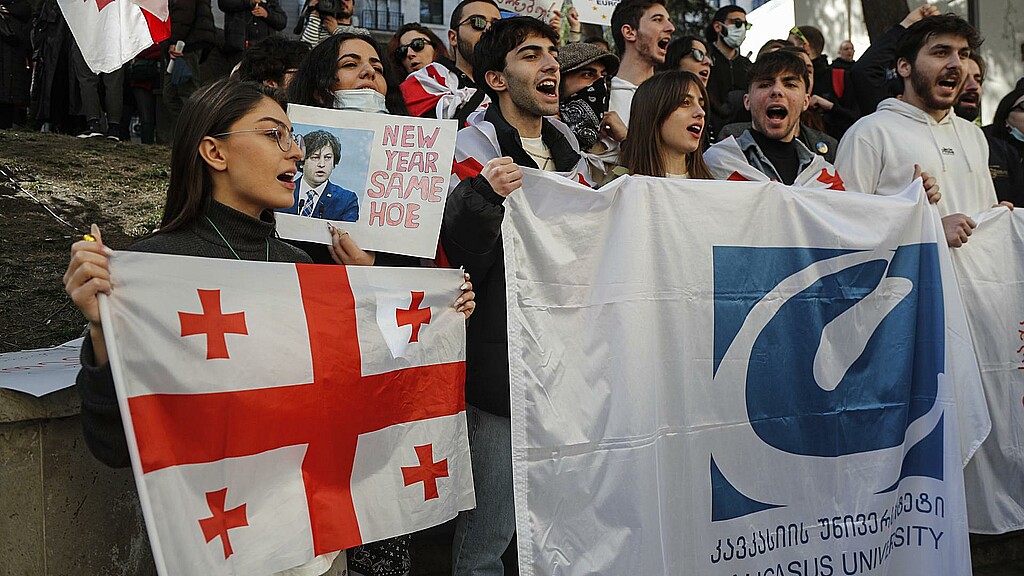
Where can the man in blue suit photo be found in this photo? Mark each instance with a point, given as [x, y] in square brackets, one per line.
[316, 195]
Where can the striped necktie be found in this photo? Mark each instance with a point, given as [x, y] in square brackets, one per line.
[307, 208]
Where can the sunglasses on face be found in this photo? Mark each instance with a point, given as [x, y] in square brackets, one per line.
[700, 56]
[417, 45]
[479, 23]
[795, 31]
[738, 23]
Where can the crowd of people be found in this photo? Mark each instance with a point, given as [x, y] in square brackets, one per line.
[657, 106]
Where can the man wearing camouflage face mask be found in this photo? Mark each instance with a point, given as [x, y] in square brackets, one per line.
[585, 69]
[731, 71]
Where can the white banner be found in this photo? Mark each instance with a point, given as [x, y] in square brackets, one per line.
[539, 9]
[381, 178]
[596, 11]
[42, 371]
[990, 272]
[724, 378]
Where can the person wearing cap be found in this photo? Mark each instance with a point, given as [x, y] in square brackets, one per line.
[583, 98]
[1005, 137]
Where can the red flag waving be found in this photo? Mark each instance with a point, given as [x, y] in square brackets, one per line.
[112, 32]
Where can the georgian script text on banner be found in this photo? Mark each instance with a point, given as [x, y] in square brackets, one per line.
[275, 412]
[736, 378]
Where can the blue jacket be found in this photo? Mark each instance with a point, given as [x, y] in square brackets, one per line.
[336, 203]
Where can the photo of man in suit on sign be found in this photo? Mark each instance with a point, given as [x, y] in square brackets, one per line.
[316, 195]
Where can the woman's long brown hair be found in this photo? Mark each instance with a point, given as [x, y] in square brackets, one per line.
[654, 101]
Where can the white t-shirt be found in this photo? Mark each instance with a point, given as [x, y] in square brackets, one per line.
[621, 98]
[540, 153]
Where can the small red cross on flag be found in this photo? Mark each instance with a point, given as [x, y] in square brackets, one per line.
[413, 316]
[297, 443]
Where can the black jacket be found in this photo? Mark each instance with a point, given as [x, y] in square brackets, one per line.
[242, 29]
[869, 77]
[727, 76]
[192, 22]
[1006, 163]
[471, 237]
[14, 52]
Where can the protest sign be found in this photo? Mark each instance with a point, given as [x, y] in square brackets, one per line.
[40, 372]
[724, 378]
[539, 9]
[595, 11]
[381, 178]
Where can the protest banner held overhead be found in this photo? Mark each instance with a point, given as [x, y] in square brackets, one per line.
[539, 9]
[595, 11]
[277, 412]
[724, 378]
[381, 178]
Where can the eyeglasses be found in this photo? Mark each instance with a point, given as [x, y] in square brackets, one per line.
[795, 31]
[417, 45]
[478, 22]
[700, 56]
[738, 23]
[285, 137]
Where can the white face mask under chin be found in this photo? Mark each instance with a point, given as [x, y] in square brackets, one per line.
[362, 100]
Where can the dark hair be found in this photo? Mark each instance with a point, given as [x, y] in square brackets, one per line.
[270, 59]
[772, 64]
[921, 31]
[720, 14]
[313, 84]
[628, 13]
[815, 39]
[317, 139]
[982, 65]
[398, 64]
[492, 49]
[677, 49]
[772, 46]
[1004, 108]
[211, 110]
[456, 18]
[799, 53]
[655, 99]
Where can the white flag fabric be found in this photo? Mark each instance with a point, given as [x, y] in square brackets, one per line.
[112, 32]
[990, 272]
[268, 420]
[724, 378]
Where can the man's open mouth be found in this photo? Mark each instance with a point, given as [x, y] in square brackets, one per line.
[950, 81]
[969, 99]
[548, 87]
[663, 43]
[777, 112]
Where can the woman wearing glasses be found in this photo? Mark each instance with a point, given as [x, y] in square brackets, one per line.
[688, 54]
[232, 164]
[412, 47]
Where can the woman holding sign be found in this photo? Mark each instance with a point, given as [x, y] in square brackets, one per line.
[666, 135]
[232, 163]
[346, 72]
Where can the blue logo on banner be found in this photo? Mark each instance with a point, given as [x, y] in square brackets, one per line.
[889, 385]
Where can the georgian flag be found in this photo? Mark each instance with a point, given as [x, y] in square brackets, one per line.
[112, 32]
[727, 162]
[435, 88]
[269, 420]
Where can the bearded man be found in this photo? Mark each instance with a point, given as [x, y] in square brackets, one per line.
[642, 30]
[883, 152]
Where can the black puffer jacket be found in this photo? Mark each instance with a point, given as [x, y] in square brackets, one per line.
[192, 22]
[242, 29]
[14, 52]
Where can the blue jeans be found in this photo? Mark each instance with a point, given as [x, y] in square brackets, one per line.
[482, 534]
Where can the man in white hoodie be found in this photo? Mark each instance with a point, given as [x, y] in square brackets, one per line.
[883, 152]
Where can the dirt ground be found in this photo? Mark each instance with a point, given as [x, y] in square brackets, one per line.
[119, 186]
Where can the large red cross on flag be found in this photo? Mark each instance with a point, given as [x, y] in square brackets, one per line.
[269, 420]
[112, 32]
